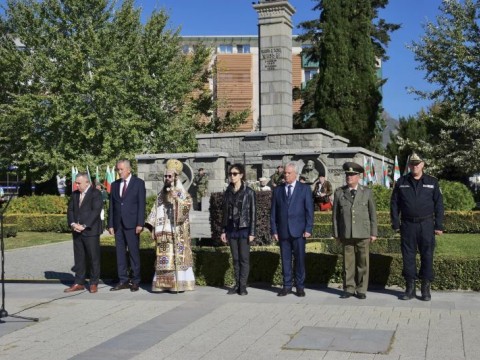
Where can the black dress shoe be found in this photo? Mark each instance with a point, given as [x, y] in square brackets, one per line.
[233, 290]
[243, 291]
[120, 286]
[284, 292]
[134, 287]
[300, 293]
[361, 296]
[346, 295]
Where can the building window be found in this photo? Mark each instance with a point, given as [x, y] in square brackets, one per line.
[243, 49]
[310, 73]
[225, 49]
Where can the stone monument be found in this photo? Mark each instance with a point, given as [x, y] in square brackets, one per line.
[276, 142]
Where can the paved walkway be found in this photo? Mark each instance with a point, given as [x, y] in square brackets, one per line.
[208, 324]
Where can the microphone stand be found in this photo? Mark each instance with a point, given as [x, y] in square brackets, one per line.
[3, 311]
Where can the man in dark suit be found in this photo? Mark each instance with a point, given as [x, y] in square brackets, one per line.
[291, 222]
[355, 226]
[83, 216]
[125, 221]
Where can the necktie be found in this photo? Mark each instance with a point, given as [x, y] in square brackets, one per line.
[82, 195]
[124, 190]
[289, 192]
[353, 192]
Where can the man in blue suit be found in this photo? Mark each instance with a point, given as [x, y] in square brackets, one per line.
[291, 222]
[125, 220]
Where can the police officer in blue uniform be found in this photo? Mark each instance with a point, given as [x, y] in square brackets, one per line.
[416, 210]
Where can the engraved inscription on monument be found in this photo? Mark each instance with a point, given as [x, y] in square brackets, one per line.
[269, 58]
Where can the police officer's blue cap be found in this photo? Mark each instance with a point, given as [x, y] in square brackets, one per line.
[352, 168]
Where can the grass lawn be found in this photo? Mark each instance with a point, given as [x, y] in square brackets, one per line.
[26, 239]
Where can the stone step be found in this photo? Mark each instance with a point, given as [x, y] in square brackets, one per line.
[200, 224]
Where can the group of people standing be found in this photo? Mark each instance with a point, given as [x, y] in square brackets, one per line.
[416, 212]
[167, 221]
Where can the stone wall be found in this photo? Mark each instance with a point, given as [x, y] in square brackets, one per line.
[261, 153]
[151, 168]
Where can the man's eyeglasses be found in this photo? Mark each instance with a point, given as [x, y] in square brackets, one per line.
[167, 176]
[233, 173]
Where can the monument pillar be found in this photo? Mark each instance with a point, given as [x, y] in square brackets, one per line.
[275, 57]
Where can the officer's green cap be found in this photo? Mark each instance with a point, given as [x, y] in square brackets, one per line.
[352, 168]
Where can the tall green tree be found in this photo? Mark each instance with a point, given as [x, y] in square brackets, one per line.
[449, 53]
[346, 40]
[411, 131]
[85, 82]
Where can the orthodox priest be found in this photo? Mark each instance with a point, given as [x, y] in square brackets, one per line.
[170, 227]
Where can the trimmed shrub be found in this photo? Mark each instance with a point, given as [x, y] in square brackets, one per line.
[263, 217]
[45, 204]
[39, 222]
[10, 230]
[456, 196]
[326, 230]
[461, 222]
[380, 246]
[382, 197]
[149, 204]
[212, 267]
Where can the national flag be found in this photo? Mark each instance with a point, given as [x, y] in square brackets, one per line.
[396, 170]
[364, 179]
[88, 175]
[407, 169]
[373, 174]
[74, 175]
[107, 181]
[114, 175]
[386, 179]
[367, 175]
[97, 177]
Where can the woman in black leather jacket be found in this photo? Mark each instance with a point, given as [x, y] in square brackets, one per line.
[239, 219]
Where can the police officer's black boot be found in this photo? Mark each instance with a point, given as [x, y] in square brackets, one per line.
[425, 288]
[409, 290]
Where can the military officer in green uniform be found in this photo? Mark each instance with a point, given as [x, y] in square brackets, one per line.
[355, 226]
[200, 182]
[278, 178]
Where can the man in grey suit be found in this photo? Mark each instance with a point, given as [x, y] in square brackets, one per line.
[355, 226]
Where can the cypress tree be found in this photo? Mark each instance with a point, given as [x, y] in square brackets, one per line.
[346, 39]
[347, 100]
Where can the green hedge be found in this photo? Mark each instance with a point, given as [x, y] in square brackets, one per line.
[10, 230]
[213, 268]
[380, 246]
[456, 196]
[45, 204]
[263, 217]
[455, 222]
[39, 222]
[325, 230]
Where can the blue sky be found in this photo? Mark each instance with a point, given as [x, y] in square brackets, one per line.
[237, 17]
